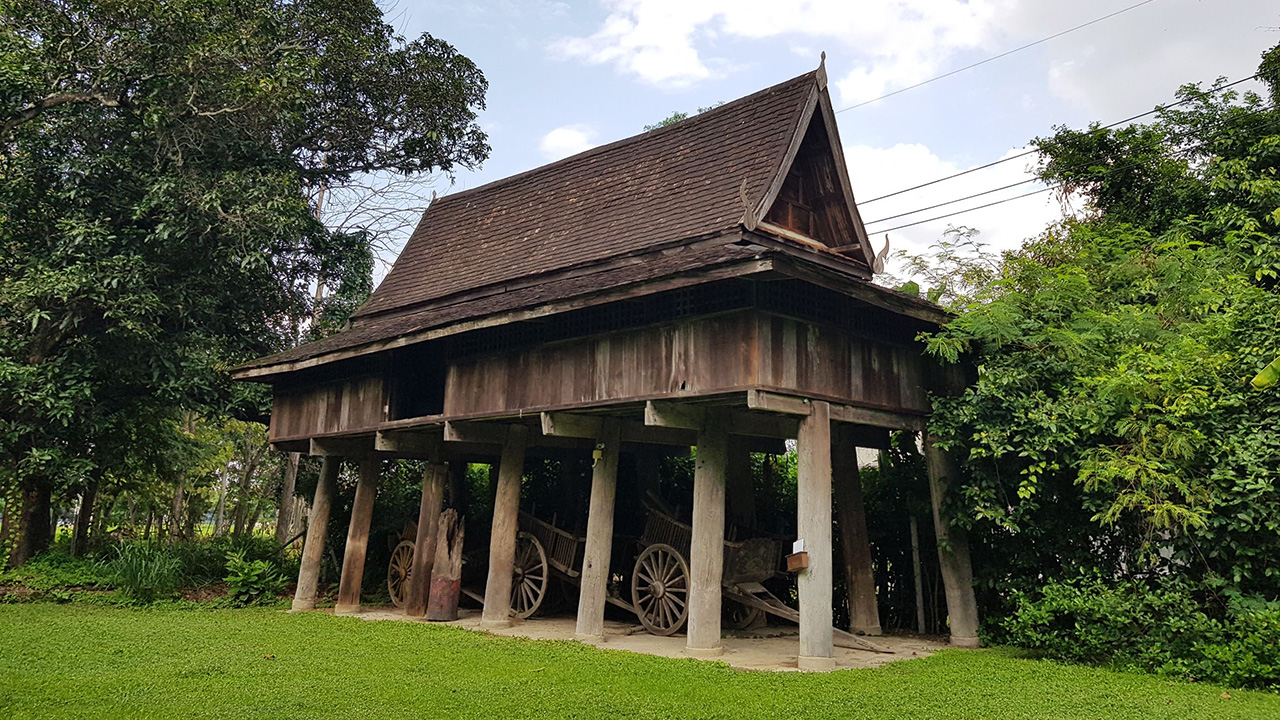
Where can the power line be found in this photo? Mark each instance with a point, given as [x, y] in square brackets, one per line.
[1139, 116]
[1043, 190]
[1077, 166]
[997, 57]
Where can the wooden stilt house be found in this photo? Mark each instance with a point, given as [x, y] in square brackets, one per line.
[704, 284]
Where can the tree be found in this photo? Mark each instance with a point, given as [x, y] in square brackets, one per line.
[155, 165]
[1112, 425]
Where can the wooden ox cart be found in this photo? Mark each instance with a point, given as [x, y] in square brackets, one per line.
[659, 576]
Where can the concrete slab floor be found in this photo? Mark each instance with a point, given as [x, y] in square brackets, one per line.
[772, 648]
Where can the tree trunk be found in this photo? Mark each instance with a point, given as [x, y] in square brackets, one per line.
[33, 524]
[284, 516]
[253, 519]
[80, 536]
[175, 518]
[220, 517]
[151, 515]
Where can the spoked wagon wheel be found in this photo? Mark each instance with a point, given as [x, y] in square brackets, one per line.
[398, 572]
[660, 589]
[528, 576]
[737, 616]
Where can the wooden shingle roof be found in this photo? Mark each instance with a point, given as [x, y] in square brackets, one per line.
[601, 219]
[679, 181]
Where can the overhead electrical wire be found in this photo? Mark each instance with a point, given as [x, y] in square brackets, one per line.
[1157, 109]
[1045, 189]
[935, 206]
[997, 57]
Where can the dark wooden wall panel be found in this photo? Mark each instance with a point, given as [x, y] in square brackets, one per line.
[340, 406]
[704, 355]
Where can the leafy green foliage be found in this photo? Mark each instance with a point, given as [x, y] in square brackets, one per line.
[250, 581]
[144, 572]
[157, 163]
[212, 664]
[55, 571]
[1162, 630]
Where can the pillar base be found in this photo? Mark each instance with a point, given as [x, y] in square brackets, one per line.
[816, 664]
[346, 609]
[588, 637]
[971, 643]
[705, 653]
[872, 631]
[302, 605]
[495, 624]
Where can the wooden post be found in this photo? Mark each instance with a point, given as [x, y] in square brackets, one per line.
[919, 576]
[864, 614]
[953, 550]
[358, 538]
[813, 505]
[706, 552]
[424, 551]
[446, 570]
[739, 486]
[599, 545]
[502, 537]
[313, 547]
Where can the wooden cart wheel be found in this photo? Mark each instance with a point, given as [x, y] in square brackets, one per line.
[528, 576]
[660, 589]
[398, 572]
[737, 616]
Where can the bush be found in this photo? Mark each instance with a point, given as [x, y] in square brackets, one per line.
[249, 581]
[54, 570]
[145, 573]
[1161, 629]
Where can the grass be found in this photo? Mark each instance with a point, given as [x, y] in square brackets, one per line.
[80, 661]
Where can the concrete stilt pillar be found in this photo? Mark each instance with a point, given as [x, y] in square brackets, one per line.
[953, 550]
[706, 553]
[502, 537]
[813, 506]
[313, 548]
[739, 485]
[424, 551]
[599, 545]
[864, 613]
[358, 538]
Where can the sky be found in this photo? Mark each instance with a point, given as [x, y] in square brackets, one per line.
[566, 76]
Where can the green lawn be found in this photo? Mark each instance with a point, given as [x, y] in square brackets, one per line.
[80, 661]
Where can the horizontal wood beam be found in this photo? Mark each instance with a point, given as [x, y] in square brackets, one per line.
[425, 443]
[763, 426]
[661, 413]
[852, 414]
[349, 447]
[575, 425]
[777, 403]
[482, 433]
[877, 418]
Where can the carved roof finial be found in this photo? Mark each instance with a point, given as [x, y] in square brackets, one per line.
[878, 265]
[749, 218]
[822, 71]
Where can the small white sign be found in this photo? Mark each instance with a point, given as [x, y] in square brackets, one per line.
[797, 546]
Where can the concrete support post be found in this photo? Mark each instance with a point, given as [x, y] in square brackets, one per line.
[953, 550]
[317, 526]
[358, 538]
[855, 545]
[706, 554]
[424, 551]
[502, 537]
[813, 506]
[599, 545]
[739, 485]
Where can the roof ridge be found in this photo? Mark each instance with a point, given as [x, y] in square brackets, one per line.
[685, 124]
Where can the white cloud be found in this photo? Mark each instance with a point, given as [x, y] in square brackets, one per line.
[898, 41]
[567, 140]
[878, 171]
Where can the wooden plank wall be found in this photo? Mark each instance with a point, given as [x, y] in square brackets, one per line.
[343, 405]
[700, 356]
